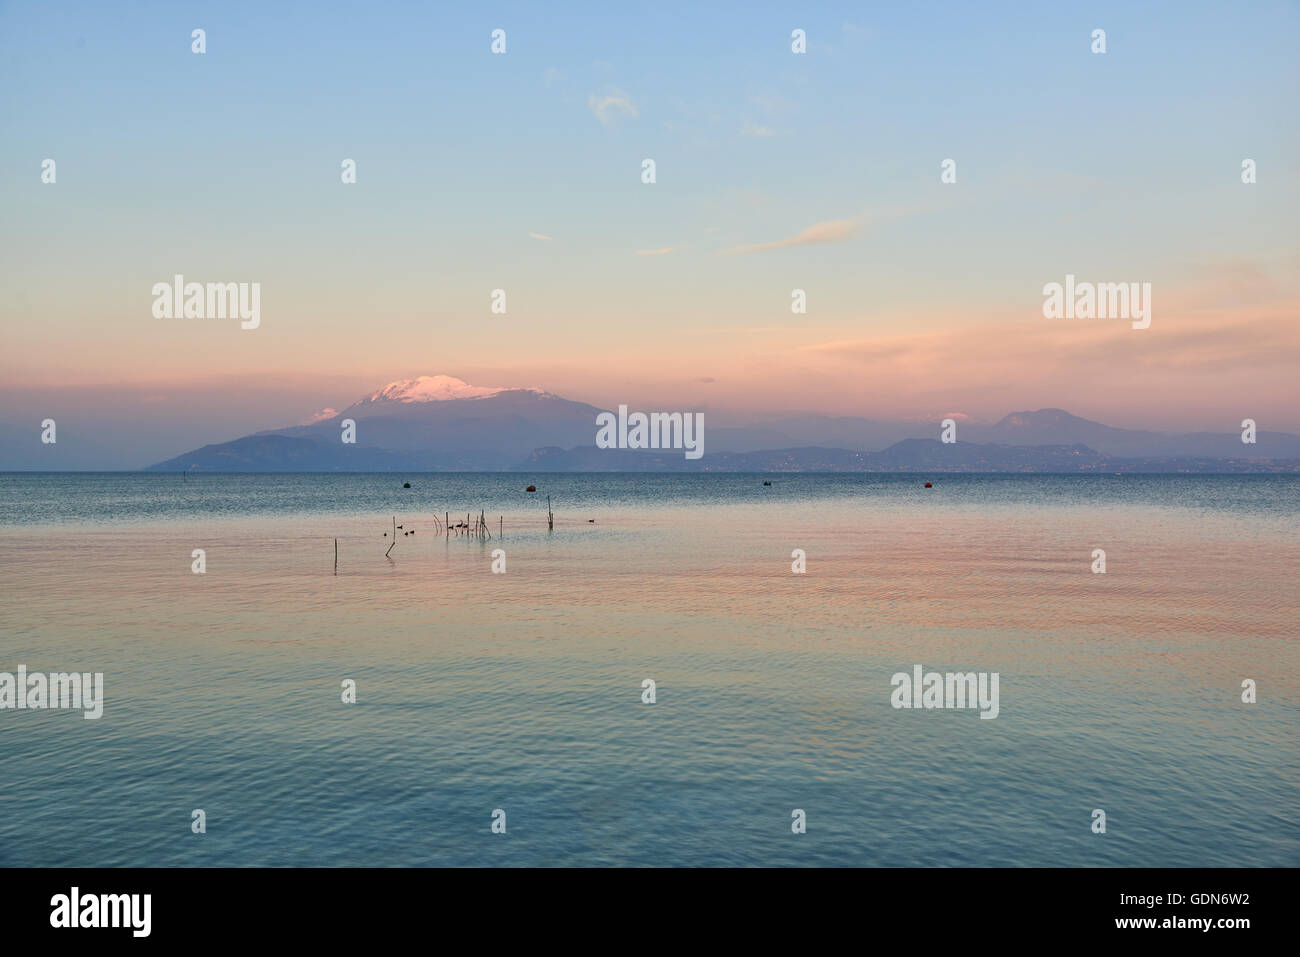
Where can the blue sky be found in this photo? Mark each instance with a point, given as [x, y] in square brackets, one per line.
[226, 166]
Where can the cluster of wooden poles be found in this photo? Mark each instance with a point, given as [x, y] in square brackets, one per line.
[474, 526]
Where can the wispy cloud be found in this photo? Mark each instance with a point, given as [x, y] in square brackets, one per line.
[610, 107]
[753, 129]
[1040, 351]
[831, 231]
[541, 236]
[655, 252]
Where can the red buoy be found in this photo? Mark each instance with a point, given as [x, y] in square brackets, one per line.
[928, 485]
[531, 488]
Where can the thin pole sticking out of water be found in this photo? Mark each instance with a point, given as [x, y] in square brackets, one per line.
[550, 516]
[336, 556]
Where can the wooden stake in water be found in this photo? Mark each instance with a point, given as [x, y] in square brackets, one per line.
[336, 556]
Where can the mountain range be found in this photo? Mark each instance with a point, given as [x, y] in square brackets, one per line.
[441, 423]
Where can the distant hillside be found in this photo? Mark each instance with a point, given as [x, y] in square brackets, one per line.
[1058, 427]
[441, 423]
[434, 423]
[910, 455]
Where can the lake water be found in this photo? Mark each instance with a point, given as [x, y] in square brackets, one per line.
[522, 691]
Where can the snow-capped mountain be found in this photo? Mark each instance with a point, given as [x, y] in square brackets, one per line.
[424, 388]
[435, 388]
[440, 423]
[429, 422]
[423, 397]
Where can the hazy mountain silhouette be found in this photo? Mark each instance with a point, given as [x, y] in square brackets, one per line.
[439, 423]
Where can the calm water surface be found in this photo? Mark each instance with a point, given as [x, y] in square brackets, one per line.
[522, 691]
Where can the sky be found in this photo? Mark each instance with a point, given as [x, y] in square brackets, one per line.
[522, 171]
